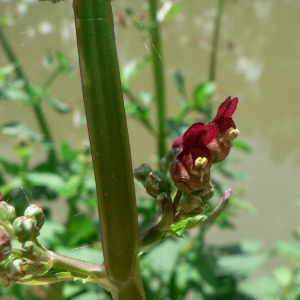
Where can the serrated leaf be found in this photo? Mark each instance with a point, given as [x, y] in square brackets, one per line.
[16, 129]
[58, 105]
[202, 93]
[129, 71]
[242, 146]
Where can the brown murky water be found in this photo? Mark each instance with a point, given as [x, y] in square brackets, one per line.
[259, 61]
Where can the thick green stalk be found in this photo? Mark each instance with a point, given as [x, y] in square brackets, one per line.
[109, 145]
[52, 157]
[159, 80]
[214, 50]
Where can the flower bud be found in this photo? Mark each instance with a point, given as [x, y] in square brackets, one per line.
[191, 202]
[7, 212]
[36, 212]
[14, 269]
[167, 160]
[142, 172]
[208, 192]
[25, 228]
[5, 246]
[157, 182]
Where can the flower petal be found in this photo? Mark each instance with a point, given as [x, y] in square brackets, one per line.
[199, 134]
[227, 108]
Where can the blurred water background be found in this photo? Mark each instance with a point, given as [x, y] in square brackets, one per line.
[258, 61]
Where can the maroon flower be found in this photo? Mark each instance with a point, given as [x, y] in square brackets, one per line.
[226, 130]
[191, 168]
[201, 146]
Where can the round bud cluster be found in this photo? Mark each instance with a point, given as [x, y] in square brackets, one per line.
[27, 227]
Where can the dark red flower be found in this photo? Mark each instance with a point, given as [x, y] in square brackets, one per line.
[226, 130]
[191, 168]
[201, 146]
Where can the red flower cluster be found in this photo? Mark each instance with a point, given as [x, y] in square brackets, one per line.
[201, 146]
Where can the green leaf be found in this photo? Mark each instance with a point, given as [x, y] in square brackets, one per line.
[16, 129]
[242, 146]
[173, 11]
[58, 105]
[179, 81]
[50, 180]
[146, 98]
[11, 185]
[289, 251]
[243, 264]
[129, 71]
[19, 96]
[202, 93]
[283, 276]
[10, 167]
[179, 227]
[162, 260]
[67, 152]
[264, 288]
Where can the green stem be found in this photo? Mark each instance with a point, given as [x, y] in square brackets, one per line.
[52, 157]
[158, 79]
[110, 149]
[214, 50]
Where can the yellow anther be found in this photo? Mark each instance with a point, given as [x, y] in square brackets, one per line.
[201, 162]
[233, 134]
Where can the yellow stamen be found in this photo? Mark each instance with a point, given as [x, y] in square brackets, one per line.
[232, 134]
[201, 162]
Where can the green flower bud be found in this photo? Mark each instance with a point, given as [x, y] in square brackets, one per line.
[167, 160]
[36, 212]
[208, 192]
[5, 246]
[157, 182]
[25, 228]
[142, 172]
[191, 202]
[14, 269]
[35, 268]
[7, 212]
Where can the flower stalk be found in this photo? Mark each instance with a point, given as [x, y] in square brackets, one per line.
[159, 81]
[109, 145]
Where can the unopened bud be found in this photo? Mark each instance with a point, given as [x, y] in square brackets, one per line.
[191, 202]
[36, 212]
[142, 172]
[167, 160]
[5, 246]
[157, 182]
[14, 269]
[7, 212]
[25, 228]
[208, 192]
